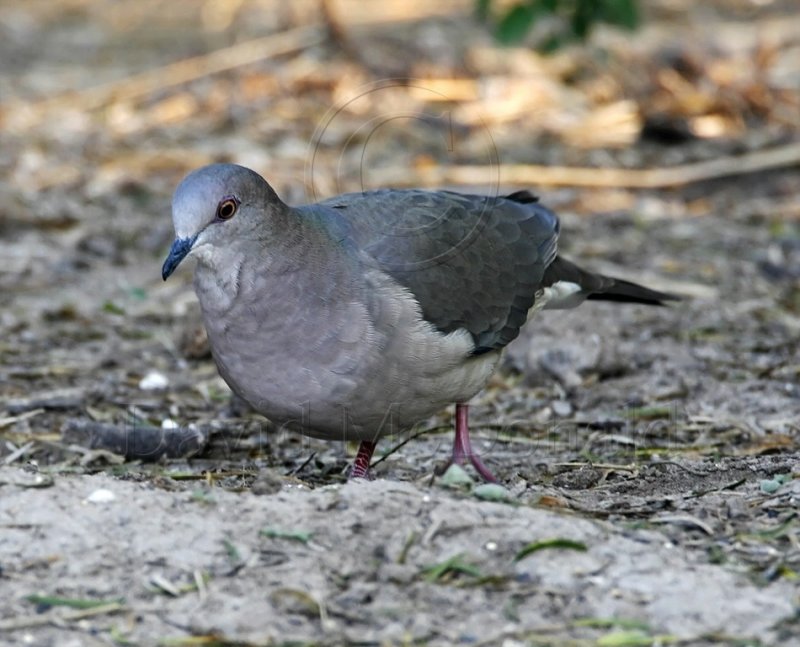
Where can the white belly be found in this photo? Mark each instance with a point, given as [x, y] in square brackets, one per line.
[412, 388]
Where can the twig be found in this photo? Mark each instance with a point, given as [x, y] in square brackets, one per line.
[18, 453]
[399, 446]
[190, 69]
[688, 470]
[26, 622]
[296, 470]
[536, 175]
[600, 466]
[685, 520]
[111, 607]
[10, 420]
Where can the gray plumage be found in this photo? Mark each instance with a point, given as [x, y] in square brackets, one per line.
[471, 262]
[360, 315]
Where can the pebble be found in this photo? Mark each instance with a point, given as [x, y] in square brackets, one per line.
[153, 381]
[561, 408]
[101, 496]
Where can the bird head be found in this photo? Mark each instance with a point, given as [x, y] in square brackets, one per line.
[213, 205]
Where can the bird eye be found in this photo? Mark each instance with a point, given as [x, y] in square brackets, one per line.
[227, 208]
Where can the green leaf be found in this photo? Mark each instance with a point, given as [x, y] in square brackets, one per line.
[412, 537]
[482, 9]
[625, 639]
[453, 565]
[577, 17]
[295, 535]
[513, 27]
[780, 530]
[113, 308]
[140, 294]
[72, 603]
[535, 546]
[584, 17]
[232, 551]
[635, 639]
[607, 623]
[204, 497]
[555, 42]
[623, 13]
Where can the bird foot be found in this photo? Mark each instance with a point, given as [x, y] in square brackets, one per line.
[360, 468]
[462, 447]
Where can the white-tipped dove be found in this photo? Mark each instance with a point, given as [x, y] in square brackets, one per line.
[361, 315]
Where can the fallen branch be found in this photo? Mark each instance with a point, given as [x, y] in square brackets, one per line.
[135, 443]
[536, 175]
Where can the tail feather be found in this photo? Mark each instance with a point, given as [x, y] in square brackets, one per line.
[626, 292]
[601, 288]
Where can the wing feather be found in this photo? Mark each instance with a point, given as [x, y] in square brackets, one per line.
[472, 262]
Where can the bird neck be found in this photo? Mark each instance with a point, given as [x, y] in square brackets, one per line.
[296, 254]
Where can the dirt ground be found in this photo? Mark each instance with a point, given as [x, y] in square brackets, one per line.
[648, 455]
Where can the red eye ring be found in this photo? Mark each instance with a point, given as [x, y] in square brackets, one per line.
[227, 208]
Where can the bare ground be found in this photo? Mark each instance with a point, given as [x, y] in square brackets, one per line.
[654, 447]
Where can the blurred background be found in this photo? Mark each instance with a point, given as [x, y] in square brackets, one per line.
[666, 133]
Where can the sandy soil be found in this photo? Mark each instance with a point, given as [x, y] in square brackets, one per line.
[356, 565]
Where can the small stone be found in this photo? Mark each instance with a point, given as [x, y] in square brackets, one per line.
[491, 492]
[561, 408]
[543, 416]
[456, 476]
[101, 496]
[268, 482]
[169, 423]
[153, 381]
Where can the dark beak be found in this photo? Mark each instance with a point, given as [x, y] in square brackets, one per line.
[180, 248]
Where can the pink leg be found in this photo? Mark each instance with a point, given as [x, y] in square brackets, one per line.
[462, 448]
[360, 469]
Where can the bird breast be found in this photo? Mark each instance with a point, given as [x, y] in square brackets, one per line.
[347, 360]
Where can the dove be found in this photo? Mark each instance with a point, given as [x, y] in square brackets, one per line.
[361, 315]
